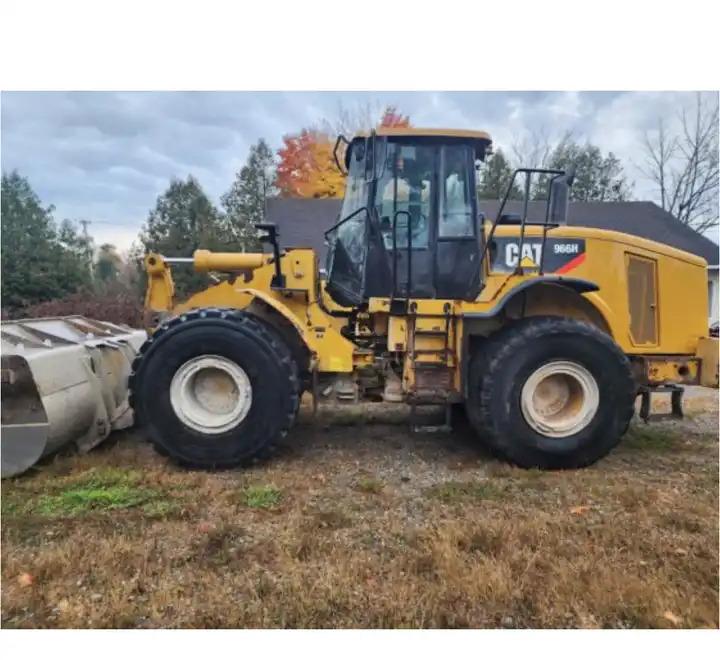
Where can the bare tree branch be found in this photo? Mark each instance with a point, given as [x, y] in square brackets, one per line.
[684, 165]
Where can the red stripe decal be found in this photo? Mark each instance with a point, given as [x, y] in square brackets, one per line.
[573, 263]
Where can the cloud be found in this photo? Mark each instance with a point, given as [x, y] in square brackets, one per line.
[106, 156]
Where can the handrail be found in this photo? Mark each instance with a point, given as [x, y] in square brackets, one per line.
[528, 171]
[345, 219]
[395, 252]
[340, 138]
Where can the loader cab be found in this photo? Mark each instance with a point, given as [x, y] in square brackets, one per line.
[409, 223]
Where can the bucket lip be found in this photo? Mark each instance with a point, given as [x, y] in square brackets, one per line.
[109, 325]
[54, 332]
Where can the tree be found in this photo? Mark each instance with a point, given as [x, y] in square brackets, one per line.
[39, 262]
[598, 178]
[391, 118]
[348, 121]
[532, 150]
[107, 266]
[244, 203]
[495, 178]
[682, 161]
[307, 167]
[182, 221]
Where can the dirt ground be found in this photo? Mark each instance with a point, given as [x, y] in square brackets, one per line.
[359, 523]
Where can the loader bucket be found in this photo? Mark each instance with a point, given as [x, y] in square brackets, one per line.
[64, 380]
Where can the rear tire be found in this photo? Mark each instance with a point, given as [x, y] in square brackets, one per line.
[550, 392]
[214, 388]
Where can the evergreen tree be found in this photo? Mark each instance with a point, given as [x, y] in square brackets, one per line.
[107, 266]
[495, 178]
[184, 220]
[598, 178]
[244, 203]
[39, 262]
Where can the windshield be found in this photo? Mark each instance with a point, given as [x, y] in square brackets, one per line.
[347, 242]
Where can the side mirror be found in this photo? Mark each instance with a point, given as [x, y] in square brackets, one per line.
[559, 198]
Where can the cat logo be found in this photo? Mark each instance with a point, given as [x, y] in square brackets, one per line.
[560, 255]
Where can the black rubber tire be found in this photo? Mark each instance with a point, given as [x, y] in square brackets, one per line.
[503, 363]
[232, 334]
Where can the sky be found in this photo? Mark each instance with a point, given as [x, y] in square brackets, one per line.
[106, 156]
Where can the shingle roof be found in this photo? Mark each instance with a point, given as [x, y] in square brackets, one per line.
[303, 222]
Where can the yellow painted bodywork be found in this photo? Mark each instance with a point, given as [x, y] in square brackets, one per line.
[681, 287]
[662, 369]
[298, 303]
[680, 307]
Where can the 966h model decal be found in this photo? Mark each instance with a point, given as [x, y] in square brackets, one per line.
[561, 254]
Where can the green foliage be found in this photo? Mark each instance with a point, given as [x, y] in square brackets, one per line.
[102, 489]
[598, 178]
[39, 260]
[495, 178]
[80, 500]
[107, 266]
[184, 220]
[261, 497]
[244, 203]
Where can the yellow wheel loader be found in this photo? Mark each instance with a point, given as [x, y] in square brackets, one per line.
[545, 333]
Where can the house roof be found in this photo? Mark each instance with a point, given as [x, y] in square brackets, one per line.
[303, 222]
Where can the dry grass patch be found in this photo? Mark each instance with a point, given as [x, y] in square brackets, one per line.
[367, 529]
[369, 485]
[456, 492]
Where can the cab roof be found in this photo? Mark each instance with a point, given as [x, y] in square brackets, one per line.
[481, 140]
[411, 131]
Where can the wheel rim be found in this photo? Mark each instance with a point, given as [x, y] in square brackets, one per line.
[560, 399]
[211, 394]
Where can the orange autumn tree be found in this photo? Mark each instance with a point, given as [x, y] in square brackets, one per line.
[393, 119]
[306, 165]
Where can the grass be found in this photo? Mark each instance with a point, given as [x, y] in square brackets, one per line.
[650, 438]
[369, 485]
[370, 528]
[92, 491]
[81, 500]
[261, 497]
[453, 492]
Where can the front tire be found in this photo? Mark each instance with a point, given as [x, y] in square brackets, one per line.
[214, 388]
[550, 392]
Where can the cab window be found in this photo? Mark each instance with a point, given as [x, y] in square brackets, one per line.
[406, 185]
[456, 212]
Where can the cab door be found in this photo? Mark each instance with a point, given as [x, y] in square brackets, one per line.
[457, 251]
